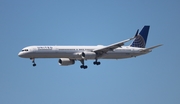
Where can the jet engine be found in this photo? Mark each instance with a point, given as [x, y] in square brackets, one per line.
[88, 55]
[66, 61]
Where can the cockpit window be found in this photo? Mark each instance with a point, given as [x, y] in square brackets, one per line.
[25, 50]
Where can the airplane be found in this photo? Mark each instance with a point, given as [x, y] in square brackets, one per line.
[69, 54]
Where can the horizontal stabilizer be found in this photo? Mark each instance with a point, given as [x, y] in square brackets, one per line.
[149, 49]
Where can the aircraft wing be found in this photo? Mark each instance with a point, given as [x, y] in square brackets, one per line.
[149, 49]
[112, 46]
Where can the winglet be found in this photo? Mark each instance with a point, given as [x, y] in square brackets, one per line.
[137, 32]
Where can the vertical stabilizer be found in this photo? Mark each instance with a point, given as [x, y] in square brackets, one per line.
[141, 38]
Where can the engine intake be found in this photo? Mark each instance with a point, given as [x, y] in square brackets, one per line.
[66, 61]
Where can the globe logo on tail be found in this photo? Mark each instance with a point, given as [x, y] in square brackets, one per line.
[139, 42]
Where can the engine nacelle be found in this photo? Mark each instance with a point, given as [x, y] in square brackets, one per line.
[88, 55]
[66, 61]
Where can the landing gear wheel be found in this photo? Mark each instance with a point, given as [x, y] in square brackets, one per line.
[34, 64]
[84, 66]
[96, 63]
[81, 66]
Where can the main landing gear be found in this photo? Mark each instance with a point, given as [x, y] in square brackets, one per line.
[33, 61]
[96, 62]
[83, 66]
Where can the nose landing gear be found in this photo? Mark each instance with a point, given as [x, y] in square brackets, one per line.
[33, 61]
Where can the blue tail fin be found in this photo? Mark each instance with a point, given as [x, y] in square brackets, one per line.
[141, 39]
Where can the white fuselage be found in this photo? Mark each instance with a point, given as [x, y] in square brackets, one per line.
[74, 52]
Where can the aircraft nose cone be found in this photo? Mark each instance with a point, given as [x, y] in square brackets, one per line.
[20, 54]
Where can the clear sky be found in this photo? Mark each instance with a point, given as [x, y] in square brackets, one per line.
[150, 79]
